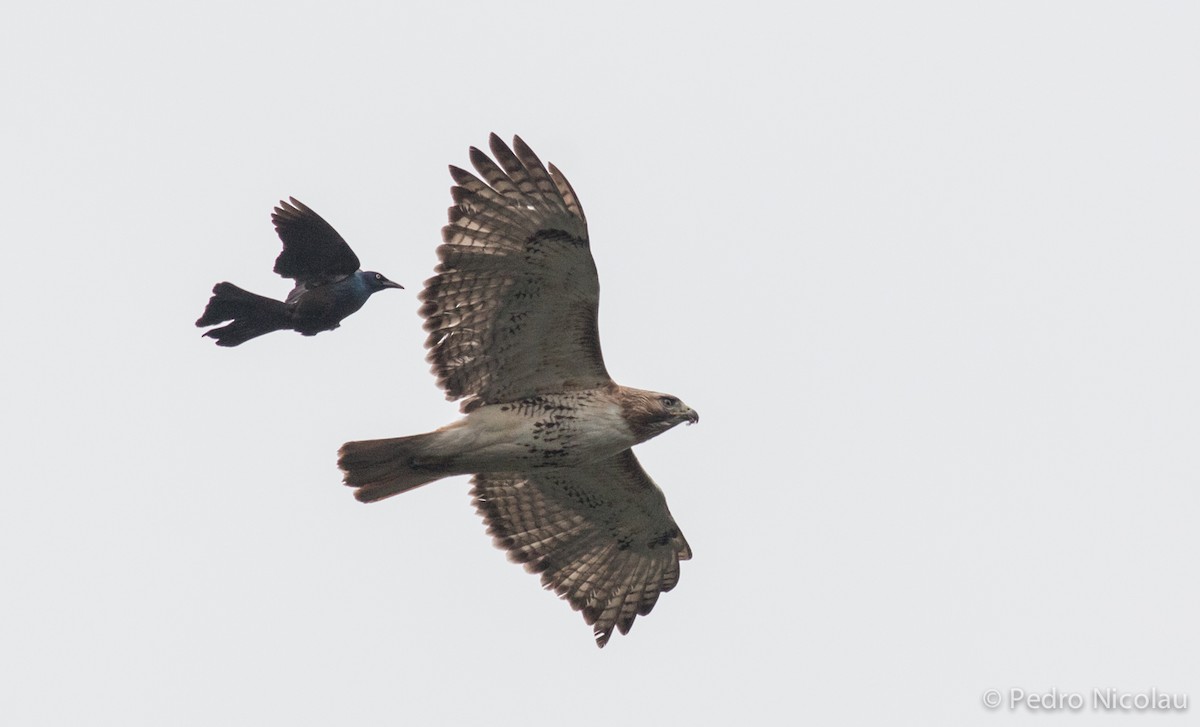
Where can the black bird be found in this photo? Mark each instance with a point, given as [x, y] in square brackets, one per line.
[329, 284]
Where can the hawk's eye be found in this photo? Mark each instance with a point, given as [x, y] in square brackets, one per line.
[668, 401]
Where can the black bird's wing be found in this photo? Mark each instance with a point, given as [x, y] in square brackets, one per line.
[313, 252]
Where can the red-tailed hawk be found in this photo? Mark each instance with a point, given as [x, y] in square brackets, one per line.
[511, 315]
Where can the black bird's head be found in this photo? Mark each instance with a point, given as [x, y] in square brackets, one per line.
[377, 282]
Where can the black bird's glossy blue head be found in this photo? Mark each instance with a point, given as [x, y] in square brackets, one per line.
[377, 282]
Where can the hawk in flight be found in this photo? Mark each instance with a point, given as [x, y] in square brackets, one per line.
[511, 316]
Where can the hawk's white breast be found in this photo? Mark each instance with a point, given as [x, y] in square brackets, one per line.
[557, 430]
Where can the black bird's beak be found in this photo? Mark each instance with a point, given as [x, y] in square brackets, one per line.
[390, 284]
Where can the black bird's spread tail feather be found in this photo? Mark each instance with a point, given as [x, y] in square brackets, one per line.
[252, 315]
[380, 468]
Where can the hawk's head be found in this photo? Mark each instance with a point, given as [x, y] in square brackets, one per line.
[650, 413]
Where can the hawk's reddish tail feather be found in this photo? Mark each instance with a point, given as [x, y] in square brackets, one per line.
[380, 468]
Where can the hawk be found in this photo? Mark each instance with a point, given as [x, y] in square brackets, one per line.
[512, 321]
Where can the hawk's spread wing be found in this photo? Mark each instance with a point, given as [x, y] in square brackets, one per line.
[600, 535]
[512, 310]
[313, 252]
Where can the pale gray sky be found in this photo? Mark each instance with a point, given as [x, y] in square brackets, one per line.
[928, 271]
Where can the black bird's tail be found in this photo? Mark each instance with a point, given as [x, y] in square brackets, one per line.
[252, 315]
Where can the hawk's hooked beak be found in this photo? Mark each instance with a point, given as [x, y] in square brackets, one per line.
[692, 416]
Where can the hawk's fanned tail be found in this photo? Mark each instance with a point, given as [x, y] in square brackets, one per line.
[380, 468]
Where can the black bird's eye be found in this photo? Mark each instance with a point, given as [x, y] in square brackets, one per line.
[378, 276]
[668, 401]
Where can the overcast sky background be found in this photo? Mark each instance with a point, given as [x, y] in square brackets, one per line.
[927, 270]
